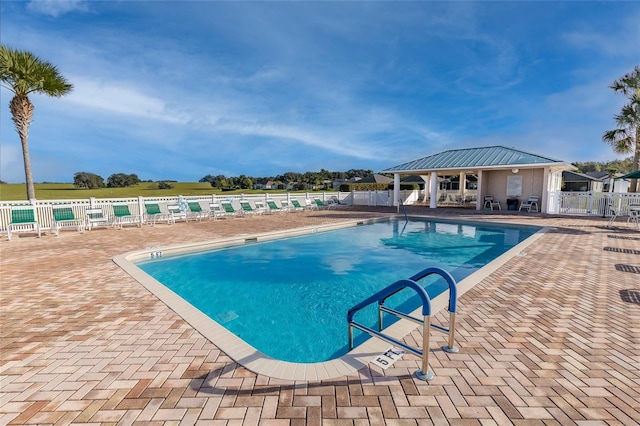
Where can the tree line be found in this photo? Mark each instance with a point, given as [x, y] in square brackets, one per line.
[614, 166]
[299, 181]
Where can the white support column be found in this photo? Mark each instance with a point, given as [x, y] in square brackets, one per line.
[396, 189]
[547, 184]
[463, 184]
[433, 181]
[479, 194]
[427, 189]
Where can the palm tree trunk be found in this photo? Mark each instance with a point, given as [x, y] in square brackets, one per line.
[636, 162]
[21, 114]
[31, 191]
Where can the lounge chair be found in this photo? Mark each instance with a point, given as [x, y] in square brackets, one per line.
[95, 217]
[273, 207]
[310, 205]
[63, 217]
[195, 210]
[177, 212]
[531, 203]
[335, 201]
[321, 204]
[296, 205]
[153, 213]
[261, 207]
[247, 209]
[122, 215]
[490, 203]
[286, 206]
[23, 219]
[215, 211]
[228, 209]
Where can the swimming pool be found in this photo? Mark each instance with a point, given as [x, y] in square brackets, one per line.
[288, 298]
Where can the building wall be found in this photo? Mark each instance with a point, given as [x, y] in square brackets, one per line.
[495, 184]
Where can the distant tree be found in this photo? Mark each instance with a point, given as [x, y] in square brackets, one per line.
[613, 166]
[87, 180]
[122, 180]
[208, 179]
[23, 73]
[165, 185]
[244, 182]
[625, 138]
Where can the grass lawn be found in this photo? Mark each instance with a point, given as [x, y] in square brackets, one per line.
[66, 191]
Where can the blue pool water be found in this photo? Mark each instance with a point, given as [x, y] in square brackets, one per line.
[289, 298]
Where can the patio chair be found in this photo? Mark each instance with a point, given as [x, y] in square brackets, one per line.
[122, 215]
[177, 212]
[273, 207]
[215, 211]
[261, 207]
[229, 209]
[296, 205]
[95, 217]
[612, 213]
[490, 203]
[334, 202]
[634, 215]
[153, 213]
[195, 210]
[63, 217]
[310, 205]
[286, 206]
[247, 209]
[531, 203]
[320, 203]
[23, 219]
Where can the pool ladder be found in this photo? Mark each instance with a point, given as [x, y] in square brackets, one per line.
[412, 283]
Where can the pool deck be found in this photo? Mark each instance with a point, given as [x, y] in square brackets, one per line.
[550, 337]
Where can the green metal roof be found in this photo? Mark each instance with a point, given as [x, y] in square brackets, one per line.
[474, 158]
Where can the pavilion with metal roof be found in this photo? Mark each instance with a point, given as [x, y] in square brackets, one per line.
[506, 174]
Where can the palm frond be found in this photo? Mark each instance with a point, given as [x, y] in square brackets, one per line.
[24, 73]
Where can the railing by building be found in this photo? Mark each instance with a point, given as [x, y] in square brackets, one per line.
[593, 203]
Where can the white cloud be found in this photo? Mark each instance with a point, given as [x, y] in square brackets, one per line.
[122, 99]
[56, 8]
[327, 143]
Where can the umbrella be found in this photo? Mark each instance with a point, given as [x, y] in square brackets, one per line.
[632, 175]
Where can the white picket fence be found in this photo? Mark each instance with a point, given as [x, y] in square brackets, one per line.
[44, 208]
[564, 203]
[593, 203]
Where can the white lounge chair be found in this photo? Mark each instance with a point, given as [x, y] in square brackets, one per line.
[490, 203]
[23, 219]
[195, 210]
[95, 217]
[531, 203]
[153, 213]
[122, 215]
[63, 217]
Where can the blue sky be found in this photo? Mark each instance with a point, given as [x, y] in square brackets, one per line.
[180, 89]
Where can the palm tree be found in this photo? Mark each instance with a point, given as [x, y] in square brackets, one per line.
[625, 139]
[24, 73]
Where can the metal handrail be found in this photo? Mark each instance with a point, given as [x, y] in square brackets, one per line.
[381, 296]
[401, 204]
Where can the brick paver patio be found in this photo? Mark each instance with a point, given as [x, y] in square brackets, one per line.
[551, 337]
